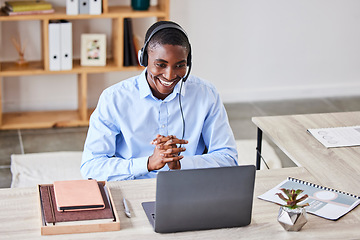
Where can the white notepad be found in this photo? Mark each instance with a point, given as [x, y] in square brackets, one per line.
[337, 136]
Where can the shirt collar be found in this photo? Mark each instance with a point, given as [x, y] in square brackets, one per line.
[144, 87]
[145, 90]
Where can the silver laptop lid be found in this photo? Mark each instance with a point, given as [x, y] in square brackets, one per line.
[204, 198]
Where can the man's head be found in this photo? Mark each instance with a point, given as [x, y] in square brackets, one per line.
[162, 33]
[166, 53]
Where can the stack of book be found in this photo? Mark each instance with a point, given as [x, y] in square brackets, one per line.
[76, 206]
[31, 7]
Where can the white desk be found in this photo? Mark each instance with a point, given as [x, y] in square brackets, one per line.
[337, 168]
[19, 215]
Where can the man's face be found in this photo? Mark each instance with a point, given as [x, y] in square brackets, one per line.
[166, 67]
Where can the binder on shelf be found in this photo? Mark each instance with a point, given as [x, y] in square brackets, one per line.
[54, 46]
[66, 58]
[60, 45]
[72, 7]
[95, 7]
[83, 6]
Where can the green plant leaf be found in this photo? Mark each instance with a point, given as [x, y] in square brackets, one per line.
[291, 200]
[281, 197]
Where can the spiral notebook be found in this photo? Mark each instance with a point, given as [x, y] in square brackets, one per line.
[324, 202]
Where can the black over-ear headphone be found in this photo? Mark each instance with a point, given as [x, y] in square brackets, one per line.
[143, 56]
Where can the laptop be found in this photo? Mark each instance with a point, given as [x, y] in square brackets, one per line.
[199, 199]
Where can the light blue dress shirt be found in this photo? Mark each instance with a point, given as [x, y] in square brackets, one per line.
[128, 117]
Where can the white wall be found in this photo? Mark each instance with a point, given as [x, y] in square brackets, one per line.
[250, 49]
[274, 49]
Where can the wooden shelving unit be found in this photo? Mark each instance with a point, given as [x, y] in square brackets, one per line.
[79, 117]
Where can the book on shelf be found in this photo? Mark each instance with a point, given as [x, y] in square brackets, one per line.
[36, 12]
[51, 216]
[323, 201]
[127, 59]
[32, 5]
[133, 53]
[130, 54]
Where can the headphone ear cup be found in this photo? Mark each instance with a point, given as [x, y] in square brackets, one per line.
[142, 57]
[140, 53]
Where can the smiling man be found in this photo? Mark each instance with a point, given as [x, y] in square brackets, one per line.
[164, 119]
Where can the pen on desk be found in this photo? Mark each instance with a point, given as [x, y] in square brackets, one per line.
[126, 209]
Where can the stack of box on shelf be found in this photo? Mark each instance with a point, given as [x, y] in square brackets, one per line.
[75, 7]
[60, 45]
[30, 7]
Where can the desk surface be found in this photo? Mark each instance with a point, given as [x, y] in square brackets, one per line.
[337, 168]
[19, 216]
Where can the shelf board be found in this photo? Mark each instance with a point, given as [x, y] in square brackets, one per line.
[8, 69]
[110, 67]
[13, 69]
[49, 119]
[114, 12]
[128, 12]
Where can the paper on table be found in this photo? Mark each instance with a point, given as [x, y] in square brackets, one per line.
[338, 136]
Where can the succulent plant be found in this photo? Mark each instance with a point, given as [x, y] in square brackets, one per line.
[291, 200]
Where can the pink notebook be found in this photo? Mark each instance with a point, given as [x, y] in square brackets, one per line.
[76, 195]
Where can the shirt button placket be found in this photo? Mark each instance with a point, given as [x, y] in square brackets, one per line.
[163, 119]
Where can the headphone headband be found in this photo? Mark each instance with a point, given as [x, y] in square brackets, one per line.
[161, 27]
[143, 56]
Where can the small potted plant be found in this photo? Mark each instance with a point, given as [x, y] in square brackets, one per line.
[292, 216]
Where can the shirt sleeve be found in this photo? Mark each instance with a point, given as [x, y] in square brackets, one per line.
[218, 138]
[98, 160]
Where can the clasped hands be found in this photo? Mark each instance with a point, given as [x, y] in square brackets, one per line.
[166, 152]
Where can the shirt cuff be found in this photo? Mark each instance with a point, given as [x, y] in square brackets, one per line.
[140, 166]
[187, 163]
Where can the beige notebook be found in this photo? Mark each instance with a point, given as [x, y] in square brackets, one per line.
[75, 195]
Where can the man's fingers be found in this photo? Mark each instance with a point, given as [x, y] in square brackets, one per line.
[175, 150]
[171, 153]
[161, 139]
[175, 141]
[168, 140]
[172, 159]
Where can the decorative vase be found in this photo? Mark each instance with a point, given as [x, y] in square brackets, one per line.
[292, 219]
[140, 5]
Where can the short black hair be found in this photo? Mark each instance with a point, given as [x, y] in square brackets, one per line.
[171, 36]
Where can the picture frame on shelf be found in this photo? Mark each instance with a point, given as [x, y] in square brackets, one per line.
[93, 49]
